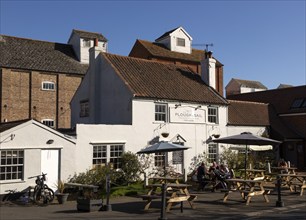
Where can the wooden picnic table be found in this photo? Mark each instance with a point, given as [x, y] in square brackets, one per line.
[294, 180]
[281, 170]
[161, 179]
[176, 192]
[252, 173]
[247, 188]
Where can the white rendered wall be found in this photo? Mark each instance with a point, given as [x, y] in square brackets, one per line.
[171, 41]
[32, 139]
[144, 129]
[248, 89]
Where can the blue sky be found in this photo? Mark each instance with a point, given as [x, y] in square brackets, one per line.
[255, 40]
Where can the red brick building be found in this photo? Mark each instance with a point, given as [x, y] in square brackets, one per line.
[38, 79]
[175, 46]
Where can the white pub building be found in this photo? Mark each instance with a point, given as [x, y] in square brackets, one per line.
[125, 104]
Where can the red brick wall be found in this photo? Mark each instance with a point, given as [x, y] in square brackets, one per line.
[22, 96]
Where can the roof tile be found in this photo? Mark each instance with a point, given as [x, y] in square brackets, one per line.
[149, 79]
[21, 53]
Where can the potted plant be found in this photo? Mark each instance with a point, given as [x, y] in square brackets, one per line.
[60, 195]
[89, 201]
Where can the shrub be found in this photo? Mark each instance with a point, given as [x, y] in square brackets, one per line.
[130, 167]
[128, 173]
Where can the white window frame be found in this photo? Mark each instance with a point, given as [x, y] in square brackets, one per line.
[48, 122]
[104, 154]
[12, 164]
[181, 42]
[48, 86]
[213, 117]
[161, 115]
[159, 159]
[212, 152]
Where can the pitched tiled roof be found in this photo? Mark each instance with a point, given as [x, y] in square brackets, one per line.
[21, 53]
[90, 35]
[282, 86]
[160, 50]
[286, 121]
[250, 83]
[248, 113]
[149, 79]
[281, 99]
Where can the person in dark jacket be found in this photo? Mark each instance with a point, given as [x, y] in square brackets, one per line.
[201, 173]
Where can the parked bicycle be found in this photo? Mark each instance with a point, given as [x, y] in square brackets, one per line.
[42, 193]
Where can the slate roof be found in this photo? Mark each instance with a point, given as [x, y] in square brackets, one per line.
[245, 113]
[8, 125]
[149, 79]
[166, 34]
[160, 50]
[89, 35]
[250, 83]
[28, 54]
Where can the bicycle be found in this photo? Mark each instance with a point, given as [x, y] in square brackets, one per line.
[42, 193]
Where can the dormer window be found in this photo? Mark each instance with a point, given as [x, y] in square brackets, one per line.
[86, 43]
[180, 42]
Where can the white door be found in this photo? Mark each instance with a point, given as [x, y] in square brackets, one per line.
[50, 165]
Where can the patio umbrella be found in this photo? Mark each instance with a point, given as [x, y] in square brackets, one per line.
[162, 146]
[246, 138]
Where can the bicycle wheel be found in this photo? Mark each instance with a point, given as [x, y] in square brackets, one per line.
[49, 195]
[38, 197]
[43, 196]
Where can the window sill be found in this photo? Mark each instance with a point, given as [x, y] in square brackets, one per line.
[11, 181]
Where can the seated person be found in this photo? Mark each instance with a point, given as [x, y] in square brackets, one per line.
[283, 164]
[225, 171]
[212, 168]
[201, 173]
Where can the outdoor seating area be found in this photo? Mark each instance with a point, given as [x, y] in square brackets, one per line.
[175, 192]
[247, 188]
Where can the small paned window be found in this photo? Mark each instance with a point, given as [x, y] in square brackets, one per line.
[48, 85]
[180, 42]
[160, 112]
[99, 155]
[84, 109]
[115, 155]
[107, 153]
[298, 103]
[48, 122]
[159, 159]
[213, 115]
[11, 165]
[86, 43]
[212, 153]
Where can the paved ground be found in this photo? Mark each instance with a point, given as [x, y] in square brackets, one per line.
[209, 205]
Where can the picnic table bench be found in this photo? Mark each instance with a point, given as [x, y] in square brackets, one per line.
[247, 188]
[176, 193]
[294, 181]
